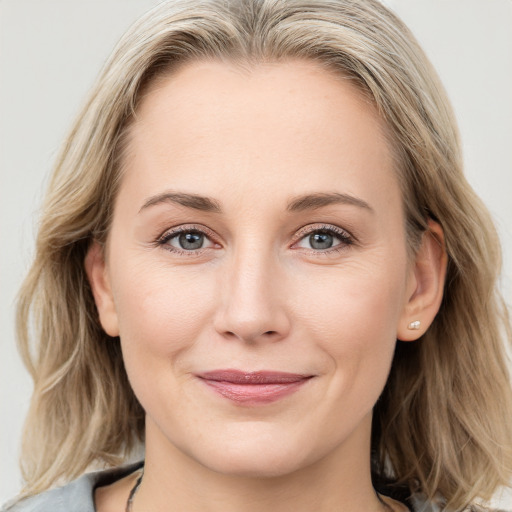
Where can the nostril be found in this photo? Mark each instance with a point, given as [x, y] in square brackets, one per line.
[251, 336]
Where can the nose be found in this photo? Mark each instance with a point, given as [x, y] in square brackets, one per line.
[252, 305]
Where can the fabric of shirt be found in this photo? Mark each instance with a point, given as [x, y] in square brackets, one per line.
[77, 496]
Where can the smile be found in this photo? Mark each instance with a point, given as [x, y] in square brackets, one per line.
[253, 388]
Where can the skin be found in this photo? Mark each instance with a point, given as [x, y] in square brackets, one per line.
[258, 295]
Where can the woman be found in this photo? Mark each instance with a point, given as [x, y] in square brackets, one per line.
[259, 258]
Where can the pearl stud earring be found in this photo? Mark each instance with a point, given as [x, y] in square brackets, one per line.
[414, 326]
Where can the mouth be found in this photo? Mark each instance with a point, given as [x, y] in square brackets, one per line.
[253, 388]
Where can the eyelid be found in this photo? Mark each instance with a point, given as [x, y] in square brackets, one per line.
[317, 226]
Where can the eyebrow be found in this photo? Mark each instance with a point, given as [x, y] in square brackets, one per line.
[297, 204]
[318, 200]
[194, 201]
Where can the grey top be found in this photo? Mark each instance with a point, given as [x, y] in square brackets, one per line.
[78, 496]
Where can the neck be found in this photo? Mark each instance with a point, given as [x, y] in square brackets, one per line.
[174, 481]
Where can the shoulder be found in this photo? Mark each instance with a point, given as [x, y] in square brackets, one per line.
[418, 503]
[77, 496]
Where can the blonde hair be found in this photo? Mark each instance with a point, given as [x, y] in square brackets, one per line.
[443, 423]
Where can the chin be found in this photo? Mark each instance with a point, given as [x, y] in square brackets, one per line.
[262, 465]
[261, 458]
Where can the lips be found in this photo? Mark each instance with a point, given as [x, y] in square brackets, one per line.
[253, 388]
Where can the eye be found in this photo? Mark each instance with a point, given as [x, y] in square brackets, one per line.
[189, 241]
[185, 240]
[323, 238]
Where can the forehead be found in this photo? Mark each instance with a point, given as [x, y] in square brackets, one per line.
[215, 123]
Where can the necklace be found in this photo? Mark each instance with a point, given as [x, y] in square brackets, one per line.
[133, 492]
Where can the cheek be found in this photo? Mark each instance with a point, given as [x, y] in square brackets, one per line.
[353, 314]
[161, 313]
[161, 316]
[355, 298]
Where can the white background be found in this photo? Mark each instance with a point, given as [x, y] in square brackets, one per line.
[50, 53]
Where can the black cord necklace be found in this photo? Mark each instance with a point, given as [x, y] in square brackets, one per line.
[133, 492]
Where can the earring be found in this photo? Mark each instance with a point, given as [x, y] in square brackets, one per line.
[414, 326]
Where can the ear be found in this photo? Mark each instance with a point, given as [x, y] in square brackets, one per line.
[97, 273]
[425, 285]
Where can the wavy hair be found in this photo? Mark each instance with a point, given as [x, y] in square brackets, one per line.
[443, 423]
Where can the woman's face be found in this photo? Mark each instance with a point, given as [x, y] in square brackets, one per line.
[258, 228]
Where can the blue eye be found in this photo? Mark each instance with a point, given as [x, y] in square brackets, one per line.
[189, 241]
[321, 240]
[186, 240]
[324, 239]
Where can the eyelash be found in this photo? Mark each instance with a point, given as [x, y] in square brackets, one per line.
[342, 235]
[345, 238]
[163, 240]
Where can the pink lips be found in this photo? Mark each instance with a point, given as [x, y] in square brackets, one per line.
[254, 387]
